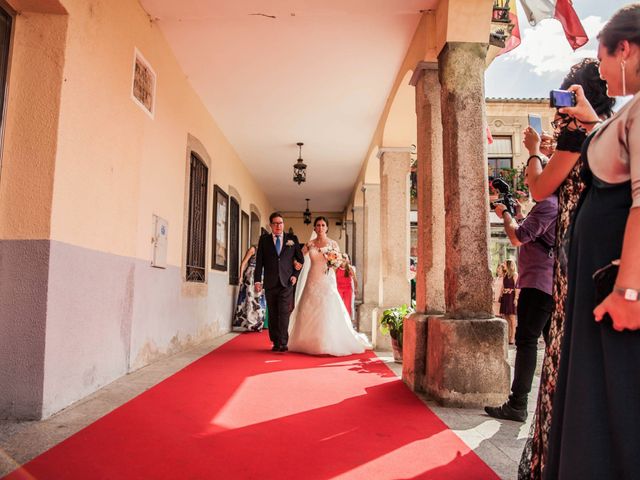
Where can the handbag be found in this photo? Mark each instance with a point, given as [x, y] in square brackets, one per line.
[604, 280]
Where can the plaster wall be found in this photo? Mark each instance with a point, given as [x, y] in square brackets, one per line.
[510, 117]
[116, 165]
[295, 220]
[466, 21]
[84, 170]
[31, 121]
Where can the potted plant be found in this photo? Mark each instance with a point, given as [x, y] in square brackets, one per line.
[392, 323]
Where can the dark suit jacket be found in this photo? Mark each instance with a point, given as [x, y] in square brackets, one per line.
[278, 270]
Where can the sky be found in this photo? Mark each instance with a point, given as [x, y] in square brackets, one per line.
[544, 57]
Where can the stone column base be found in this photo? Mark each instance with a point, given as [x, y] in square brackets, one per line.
[365, 317]
[414, 351]
[381, 341]
[467, 361]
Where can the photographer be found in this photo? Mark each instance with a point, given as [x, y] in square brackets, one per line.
[535, 237]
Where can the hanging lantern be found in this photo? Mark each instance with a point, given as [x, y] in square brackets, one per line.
[299, 168]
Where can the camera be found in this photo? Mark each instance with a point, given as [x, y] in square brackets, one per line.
[506, 198]
[562, 98]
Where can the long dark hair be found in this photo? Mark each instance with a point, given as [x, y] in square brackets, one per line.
[586, 73]
[623, 25]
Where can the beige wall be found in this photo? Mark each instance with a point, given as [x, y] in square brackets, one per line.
[295, 220]
[463, 21]
[510, 117]
[31, 122]
[114, 165]
[84, 169]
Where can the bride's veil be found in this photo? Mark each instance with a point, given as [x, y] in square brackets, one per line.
[302, 280]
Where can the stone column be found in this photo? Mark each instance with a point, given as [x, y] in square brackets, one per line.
[371, 265]
[467, 348]
[358, 239]
[395, 164]
[431, 244]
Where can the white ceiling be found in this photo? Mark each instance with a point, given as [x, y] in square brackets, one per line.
[319, 72]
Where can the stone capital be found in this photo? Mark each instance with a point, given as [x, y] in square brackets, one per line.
[384, 150]
[420, 69]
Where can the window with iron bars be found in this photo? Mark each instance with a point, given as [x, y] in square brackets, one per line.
[234, 242]
[197, 233]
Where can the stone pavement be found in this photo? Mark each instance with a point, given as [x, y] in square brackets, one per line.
[498, 443]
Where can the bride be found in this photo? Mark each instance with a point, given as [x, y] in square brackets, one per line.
[320, 323]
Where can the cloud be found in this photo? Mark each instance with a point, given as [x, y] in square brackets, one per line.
[545, 48]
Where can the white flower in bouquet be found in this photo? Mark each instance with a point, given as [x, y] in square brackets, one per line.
[335, 259]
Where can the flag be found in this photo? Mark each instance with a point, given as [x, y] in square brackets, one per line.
[514, 39]
[489, 136]
[561, 10]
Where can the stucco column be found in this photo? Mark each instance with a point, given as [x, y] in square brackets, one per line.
[370, 267]
[395, 164]
[358, 231]
[394, 225]
[431, 242]
[466, 348]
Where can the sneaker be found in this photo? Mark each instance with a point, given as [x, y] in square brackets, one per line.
[507, 412]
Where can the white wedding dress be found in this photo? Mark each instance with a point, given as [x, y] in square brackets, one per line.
[320, 323]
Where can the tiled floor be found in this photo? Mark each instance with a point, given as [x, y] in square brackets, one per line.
[498, 443]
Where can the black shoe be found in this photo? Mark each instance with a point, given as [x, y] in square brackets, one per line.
[507, 412]
[275, 348]
[283, 348]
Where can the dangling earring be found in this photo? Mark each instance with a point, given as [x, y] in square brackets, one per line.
[624, 79]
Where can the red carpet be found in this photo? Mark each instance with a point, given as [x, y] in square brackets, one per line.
[244, 412]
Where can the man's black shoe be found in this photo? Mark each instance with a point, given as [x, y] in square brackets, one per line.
[283, 348]
[275, 348]
[507, 412]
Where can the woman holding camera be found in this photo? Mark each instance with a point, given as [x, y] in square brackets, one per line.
[562, 174]
[596, 414]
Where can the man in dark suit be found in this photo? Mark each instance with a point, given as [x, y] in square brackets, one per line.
[276, 254]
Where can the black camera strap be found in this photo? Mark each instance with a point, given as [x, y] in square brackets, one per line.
[549, 248]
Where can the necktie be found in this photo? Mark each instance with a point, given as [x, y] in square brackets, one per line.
[278, 244]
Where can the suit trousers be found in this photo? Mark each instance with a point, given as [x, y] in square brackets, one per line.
[280, 305]
[534, 315]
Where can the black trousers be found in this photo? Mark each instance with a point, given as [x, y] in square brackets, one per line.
[280, 305]
[534, 315]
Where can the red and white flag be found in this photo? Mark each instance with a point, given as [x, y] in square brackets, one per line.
[561, 10]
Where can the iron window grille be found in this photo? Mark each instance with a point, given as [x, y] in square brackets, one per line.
[197, 233]
[234, 241]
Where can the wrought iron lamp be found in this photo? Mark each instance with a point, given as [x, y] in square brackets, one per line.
[501, 11]
[307, 214]
[299, 168]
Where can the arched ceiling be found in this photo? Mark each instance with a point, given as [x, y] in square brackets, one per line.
[275, 72]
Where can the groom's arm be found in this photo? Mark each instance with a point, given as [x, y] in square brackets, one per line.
[297, 256]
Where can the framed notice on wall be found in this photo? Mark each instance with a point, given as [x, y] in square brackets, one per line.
[220, 229]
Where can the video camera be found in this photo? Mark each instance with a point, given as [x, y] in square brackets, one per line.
[506, 198]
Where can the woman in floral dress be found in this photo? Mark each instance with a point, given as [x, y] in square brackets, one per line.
[250, 307]
[561, 174]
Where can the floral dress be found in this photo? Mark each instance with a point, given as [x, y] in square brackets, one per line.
[534, 454]
[250, 307]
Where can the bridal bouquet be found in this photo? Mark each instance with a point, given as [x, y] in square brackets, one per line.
[335, 259]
